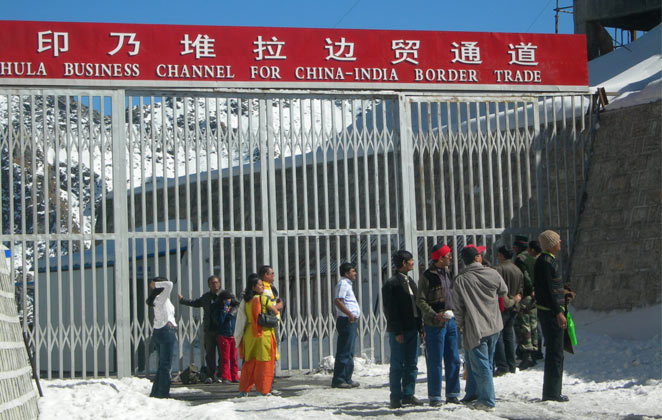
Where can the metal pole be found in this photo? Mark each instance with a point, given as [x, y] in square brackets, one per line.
[122, 308]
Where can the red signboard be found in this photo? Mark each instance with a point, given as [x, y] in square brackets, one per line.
[118, 54]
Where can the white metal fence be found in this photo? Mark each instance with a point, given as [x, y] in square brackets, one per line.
[110, 185]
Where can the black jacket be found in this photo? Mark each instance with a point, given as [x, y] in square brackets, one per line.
[208, 303]
[400, 308]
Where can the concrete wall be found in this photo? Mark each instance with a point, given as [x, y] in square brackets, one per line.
[616, 264]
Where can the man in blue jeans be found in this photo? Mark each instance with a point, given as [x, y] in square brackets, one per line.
[403, 323]
[348, 311]
[476, 308]
[435, 300]
[164, 336]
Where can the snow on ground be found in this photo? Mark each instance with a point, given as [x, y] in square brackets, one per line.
[616, 373]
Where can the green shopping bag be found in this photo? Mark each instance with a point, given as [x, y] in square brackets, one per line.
[571, 329]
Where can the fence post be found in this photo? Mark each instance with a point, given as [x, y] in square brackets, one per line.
[120, 223]
[407, 196]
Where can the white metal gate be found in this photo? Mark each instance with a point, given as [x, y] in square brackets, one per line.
[221, 183]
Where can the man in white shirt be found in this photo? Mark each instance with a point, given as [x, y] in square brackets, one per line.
[348, 311]
[164, 336]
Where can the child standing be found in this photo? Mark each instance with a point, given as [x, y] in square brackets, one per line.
[226, 316]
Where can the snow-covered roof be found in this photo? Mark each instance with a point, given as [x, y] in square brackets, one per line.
[631, 75]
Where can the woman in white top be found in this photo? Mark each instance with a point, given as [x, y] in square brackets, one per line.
[164, 335]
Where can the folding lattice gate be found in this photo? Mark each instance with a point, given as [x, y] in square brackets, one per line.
[224, 182]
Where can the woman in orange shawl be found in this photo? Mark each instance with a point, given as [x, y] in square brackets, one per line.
[257, 347]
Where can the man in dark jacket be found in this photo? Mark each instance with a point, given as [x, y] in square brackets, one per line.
[504, 356]
[404, 324]
[208, 302]
[550, 300]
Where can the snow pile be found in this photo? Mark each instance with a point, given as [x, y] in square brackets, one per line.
[616, 373]
[632, 74]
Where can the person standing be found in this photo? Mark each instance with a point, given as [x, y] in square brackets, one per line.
[403, 323]
[435, 300]
[226, 316]
[504, 357]
[526, 325]
[476, 307]
[164, 334]
[208, 302]
[267, 275]
[257, 344]
[550, 300]
[348, 313]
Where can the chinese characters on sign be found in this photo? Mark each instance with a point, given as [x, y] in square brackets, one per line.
[64, 51]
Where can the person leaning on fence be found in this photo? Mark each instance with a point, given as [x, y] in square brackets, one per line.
[476, 307]
[164, 334]
[257, 344]
[435, 300]
[208, 302]
[404, 325]
[348, 312]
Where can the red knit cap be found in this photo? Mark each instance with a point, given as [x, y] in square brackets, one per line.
[434, 256]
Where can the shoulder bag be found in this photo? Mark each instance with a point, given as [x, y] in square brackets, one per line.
[265, 319]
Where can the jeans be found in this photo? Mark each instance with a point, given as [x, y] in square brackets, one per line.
[504, 356]
[479, 371]
[441, 344]
[344, 365]
[403, 370]
[553, 377]
[164, 341]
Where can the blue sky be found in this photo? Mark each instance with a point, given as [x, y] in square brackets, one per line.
[528, 16]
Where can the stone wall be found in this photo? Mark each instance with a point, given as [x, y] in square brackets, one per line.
[616, 264]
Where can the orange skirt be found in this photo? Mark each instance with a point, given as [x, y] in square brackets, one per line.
[260, 374]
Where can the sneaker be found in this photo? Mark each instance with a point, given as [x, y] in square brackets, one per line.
[235, 381]
[395, 404]
[209, 380]
[411, 400]
[354, 384]
[452, 400]
[436, 403]
[268, 394]
[480, 406]
[342, 385]
[467, 399]
[243, 394]
[275, 392]
[500, 372]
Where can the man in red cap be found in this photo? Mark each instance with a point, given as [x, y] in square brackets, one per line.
[435, 300]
